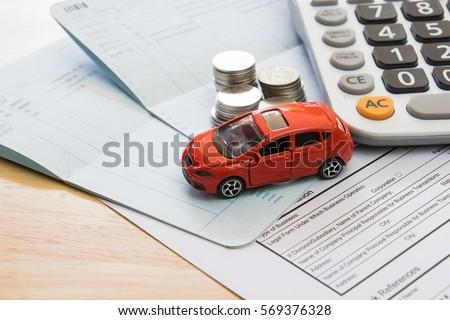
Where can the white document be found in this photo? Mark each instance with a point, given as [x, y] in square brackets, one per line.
[57, 112]
[160, 51]
[381, 233]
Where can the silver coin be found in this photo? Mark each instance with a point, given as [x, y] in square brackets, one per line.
[233, 61]
[278, 76]
[293, 85]
[239, 97]
[214, 120]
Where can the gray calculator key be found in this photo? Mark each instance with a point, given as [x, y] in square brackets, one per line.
[441, 76]
[339, 37]
[430, 106]
[319, 3]
[347, 60]
[431, 31]
[376, 13]
[357, 84]
[437, 54]
[385, 35]
[395, 57]
[359, 1]
[422, 10]
[331, 16]
[405, 80]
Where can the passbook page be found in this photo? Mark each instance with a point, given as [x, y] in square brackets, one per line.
[160, 51]
[58, 109]
[380, 232]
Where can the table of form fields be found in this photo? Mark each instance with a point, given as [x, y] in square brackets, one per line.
[345, 236]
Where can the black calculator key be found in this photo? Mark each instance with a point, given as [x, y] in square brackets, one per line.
[422, 10]
[431, 31]
[376, 13]
[437, 54]
[405, 80]
[385, 35]
[395, 57]
[442, 77]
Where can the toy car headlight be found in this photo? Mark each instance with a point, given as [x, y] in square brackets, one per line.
[340, 124]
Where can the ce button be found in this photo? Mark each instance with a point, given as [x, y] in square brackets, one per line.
[357, 84]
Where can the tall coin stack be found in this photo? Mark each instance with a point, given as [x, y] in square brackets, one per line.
[283, 83]
[233, 102]
[234, 68]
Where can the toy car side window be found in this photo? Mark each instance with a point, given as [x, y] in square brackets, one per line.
[275, 147]
[306, 139]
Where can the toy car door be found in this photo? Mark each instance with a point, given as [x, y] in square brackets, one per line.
[309, 153]
[273, 163]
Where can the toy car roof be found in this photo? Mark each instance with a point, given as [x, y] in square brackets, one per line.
[308, 116]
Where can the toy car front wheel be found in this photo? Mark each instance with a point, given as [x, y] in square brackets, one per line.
[231, 187]
[331, 168]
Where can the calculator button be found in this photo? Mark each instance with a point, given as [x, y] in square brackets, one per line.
[423, 10]
[359, 1]
[431, 31]
[437, 53]
[442, 77]
[332, 16]
[405, 80]
[347, 60]
[395, 57]
[319, 3]
[357, 84]
[376, 108]
[376, 13]
[430, 106]
[339, 38]
[389, 34]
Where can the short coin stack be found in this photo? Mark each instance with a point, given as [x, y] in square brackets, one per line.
[235, 101]
[282, 82]
[234, 68]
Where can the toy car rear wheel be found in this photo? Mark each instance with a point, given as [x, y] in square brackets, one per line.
[331, 168]
[231, 187]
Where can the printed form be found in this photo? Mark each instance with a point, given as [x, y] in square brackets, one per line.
[160, 51]
[382, 232]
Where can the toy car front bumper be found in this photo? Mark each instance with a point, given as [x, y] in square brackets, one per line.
[194, 183]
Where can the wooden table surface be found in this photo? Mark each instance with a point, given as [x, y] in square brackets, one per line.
[60, 243]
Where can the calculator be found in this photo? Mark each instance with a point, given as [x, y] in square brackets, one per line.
[383, 65]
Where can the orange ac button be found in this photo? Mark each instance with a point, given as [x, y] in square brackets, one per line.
[376, 107]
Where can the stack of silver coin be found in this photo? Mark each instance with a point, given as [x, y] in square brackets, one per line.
[282, 82]
[233, 102]
[234, 68]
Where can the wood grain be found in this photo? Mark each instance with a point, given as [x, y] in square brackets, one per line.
[60, 243]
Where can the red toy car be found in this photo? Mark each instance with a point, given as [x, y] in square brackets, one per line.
[268, 146]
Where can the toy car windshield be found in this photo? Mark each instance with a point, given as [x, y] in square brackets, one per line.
[237, 137]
